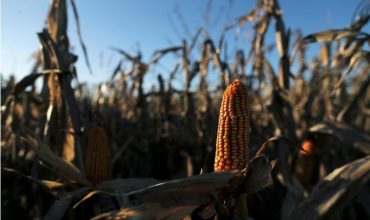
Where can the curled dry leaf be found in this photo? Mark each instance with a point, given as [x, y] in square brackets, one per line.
[258, 175]
[178, 198]
[332, 35]
[26, 81]
[335, 191]
[173, 199]
[345, 134]
[65, 168]
[61, 205]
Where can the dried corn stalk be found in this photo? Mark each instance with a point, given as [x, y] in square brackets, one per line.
[97, 163]
[233, 129]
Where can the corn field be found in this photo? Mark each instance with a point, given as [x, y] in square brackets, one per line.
[240, 139]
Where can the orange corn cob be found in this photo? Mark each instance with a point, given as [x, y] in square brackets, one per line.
[97, 164]
[304, 169]
[307, 146]
[233, 129]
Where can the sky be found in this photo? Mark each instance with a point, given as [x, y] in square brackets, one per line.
[148, 25]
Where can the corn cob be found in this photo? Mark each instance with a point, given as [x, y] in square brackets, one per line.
[305, 166]
[97, 164]
[308, 147]
[233, 129]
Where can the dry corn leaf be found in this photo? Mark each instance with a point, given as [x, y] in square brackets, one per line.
[148, 211]
[335, 191]
[78, 26]
[361, 22]
[86, 197]
[58, 209]
[60, 206]
[26, 81]
[354, 62]
[117, 69]
[158, 54]
[173, 199]
[118, 187]
[332, 35]
[258, 175]
[356, 98]
[265, 146]
[202, 183]
[49, 184]
[66, 169]
[122, 149]
[125, 185]
[344, 133]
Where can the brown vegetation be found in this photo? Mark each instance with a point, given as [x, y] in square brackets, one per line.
[152, 156]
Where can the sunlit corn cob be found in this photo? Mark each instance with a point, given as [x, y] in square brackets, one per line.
[233, 129]
[308, 147]
[97, 164]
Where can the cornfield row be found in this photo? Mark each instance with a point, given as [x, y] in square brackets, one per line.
[274, 143]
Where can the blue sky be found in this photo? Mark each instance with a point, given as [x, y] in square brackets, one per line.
[146, 25]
